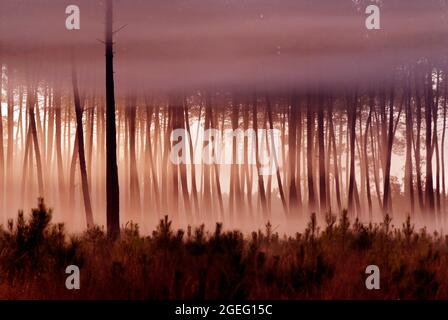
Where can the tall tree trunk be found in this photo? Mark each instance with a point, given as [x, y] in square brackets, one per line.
[417, 150]
[430, 205]
[310, 155]
[274, 155]
[387, 206]
[352, 129]
[234, 191]
[9, 161]
[112, 186]
[247, 169]
[2, 152]
[435, 145]
[177, 109]
[60, 165]
[261, 188]
[81, 150]
[194, 188]
[292, 152]
[443, 148]
[335, 159]
[134, 185]
[151, 171]
[409, 180]
[31, 99]
[366, 158]
[206, 175]
[322, 157]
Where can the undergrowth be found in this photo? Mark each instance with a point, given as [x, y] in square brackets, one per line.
[196, 264]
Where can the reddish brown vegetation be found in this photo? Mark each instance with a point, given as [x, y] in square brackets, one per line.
[327, 264]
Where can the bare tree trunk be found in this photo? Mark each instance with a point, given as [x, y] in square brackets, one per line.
[26, 161]
[443, 149]
[387, 206]
[299, 147]
[2, 152]
[409, 180]
[292, 152]
[134, 185]
[31, 100]
[50, 135]
[322, 157]
[90, 134]
[216, 171]
[194, 188]
[418, 149]
[261, 188]
[60, 165]
[9, 161]
[435, 145]
[234, 170]
[310, 153]
[150, 168]
[176, 104]
[366, 158]
[247, 168]
[112, 186]
[430, 205]
[82, 159]
[206, 175]
[274, 154]
[352, 125]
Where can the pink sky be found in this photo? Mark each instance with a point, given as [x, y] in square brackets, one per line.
[245, 43]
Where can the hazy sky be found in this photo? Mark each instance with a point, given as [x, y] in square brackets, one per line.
[241, 43]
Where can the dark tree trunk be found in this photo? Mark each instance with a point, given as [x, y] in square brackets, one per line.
[352, 130]
[409, 180]
[310, 154]
[274, 154]
[430, 205]
[60, 165]
[321, 146]
[261, 188]
[112, 186]
[81, 150]
[134, 185]
[292, 152]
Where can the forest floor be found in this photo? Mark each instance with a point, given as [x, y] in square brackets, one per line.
[194, 264]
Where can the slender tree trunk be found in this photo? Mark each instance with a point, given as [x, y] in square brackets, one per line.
[430, 205]
[261, 188]
[409, 180]
[274, 155]
[292, 152]
[234, 170]
[387, 206]
[9, 161]
[352, 125]
[335, 159]
[443, 149]
[134, 185]
[366, 158]
[417, 150]
[194, 188]
[310, 153]
[60, 165]
[322, 157]
[81, 152]
[31, 99]
[112, 186]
